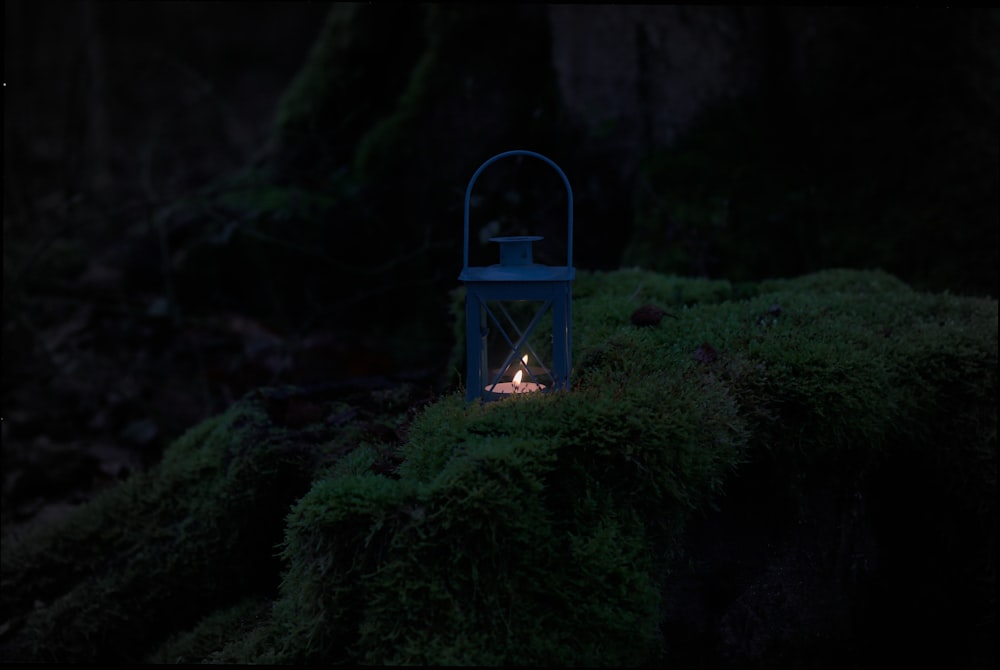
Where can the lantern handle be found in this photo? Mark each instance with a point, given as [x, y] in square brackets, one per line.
[519, 152]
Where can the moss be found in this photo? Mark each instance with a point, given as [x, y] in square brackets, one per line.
[193, 533]
[543, 529]
[213, 632]
[501, 508]
[470, 568]
[471, 82]
[357, 68]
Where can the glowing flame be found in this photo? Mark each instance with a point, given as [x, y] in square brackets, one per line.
[524, 359]
[517, 379]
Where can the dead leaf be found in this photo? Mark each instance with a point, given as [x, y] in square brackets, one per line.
[705, 353]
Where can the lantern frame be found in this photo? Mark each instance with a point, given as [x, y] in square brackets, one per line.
[517, 278]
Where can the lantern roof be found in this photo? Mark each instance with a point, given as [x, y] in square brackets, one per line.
[507, 273]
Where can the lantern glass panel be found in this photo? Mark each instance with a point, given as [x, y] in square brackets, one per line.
[519, 339]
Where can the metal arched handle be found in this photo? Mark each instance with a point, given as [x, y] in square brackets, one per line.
[519, 152]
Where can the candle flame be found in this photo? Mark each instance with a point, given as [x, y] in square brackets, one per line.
[517, 379]
[524, 359]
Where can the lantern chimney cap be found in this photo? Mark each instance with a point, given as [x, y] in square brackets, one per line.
[515, 251]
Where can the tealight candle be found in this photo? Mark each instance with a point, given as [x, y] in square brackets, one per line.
[515, 386]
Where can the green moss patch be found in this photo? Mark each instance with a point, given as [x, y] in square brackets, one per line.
[170, 545]
[540, 529]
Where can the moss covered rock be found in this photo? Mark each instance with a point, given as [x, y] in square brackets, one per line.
[554, 529]
[172, 544]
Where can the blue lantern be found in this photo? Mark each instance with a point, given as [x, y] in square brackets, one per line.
[501, 358]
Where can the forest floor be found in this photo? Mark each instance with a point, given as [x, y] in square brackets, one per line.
[147, 104]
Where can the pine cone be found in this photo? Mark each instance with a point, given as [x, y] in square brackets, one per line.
[649, 315]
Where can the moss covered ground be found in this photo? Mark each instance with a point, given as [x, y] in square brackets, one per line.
[541, 529]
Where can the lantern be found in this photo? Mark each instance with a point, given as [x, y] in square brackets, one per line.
[507, 303]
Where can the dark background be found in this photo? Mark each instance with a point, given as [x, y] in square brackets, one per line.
[202, 198]
[112, 112]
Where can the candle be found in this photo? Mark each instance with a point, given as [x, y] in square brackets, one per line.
[515, 386]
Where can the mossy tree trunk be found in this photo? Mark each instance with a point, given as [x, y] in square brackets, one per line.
[356, 218]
